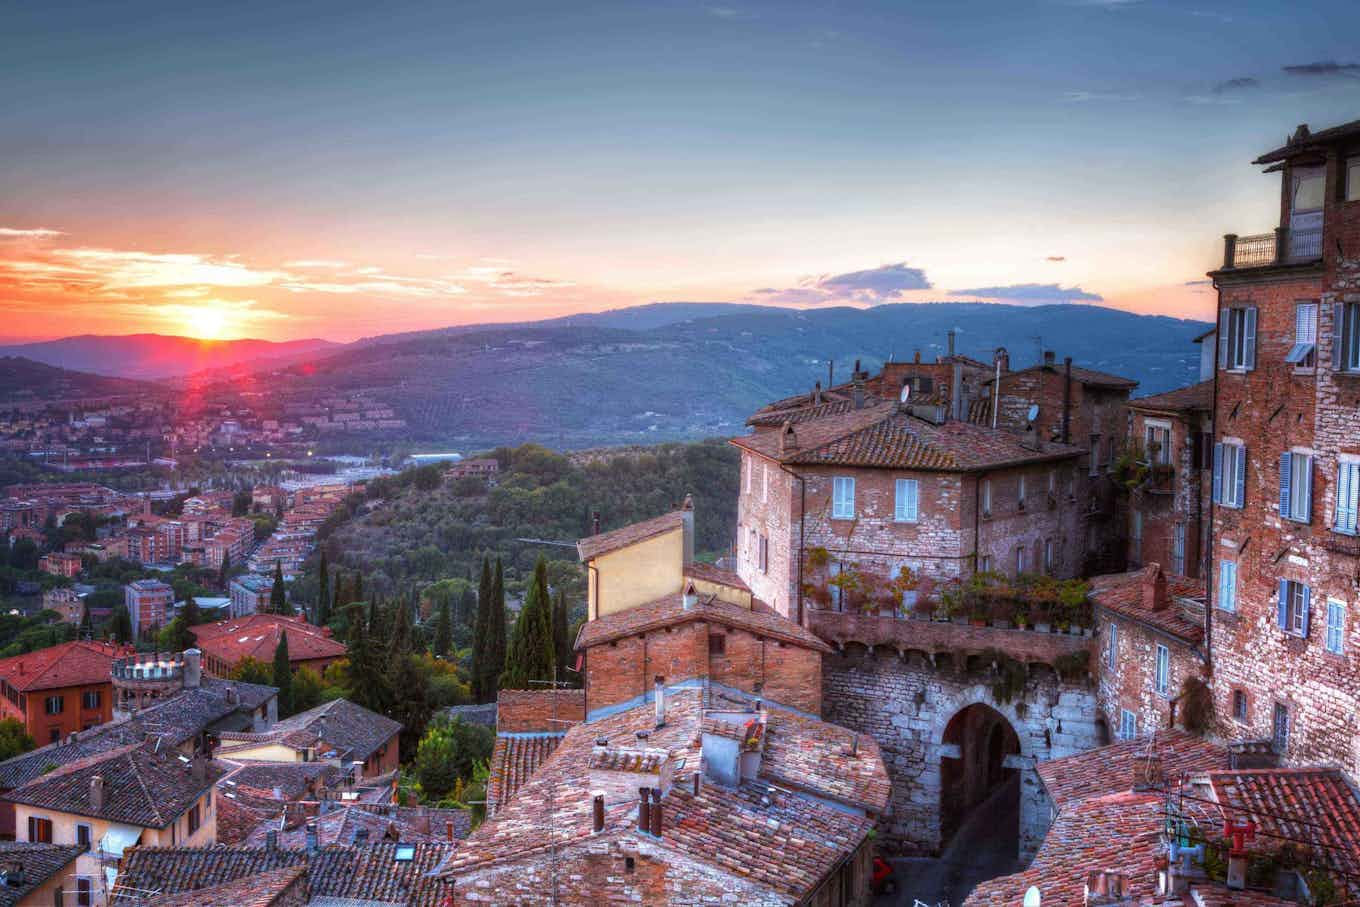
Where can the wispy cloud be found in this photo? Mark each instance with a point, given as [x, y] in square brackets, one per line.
[873, 285]
[125, 270]
[34, 233]
[1324, 69]
[1037, 293]
[316, 264]
[1056, 258]
[510, 283]
[727, 12]
[1241, 83]
[1097, 97]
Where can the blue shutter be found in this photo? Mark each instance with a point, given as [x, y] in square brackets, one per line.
[1285, 463]
[1338, 336]
[1249, 342]
[1307, 608]
[1240, 499]
[1284, 605]
[1223, 339]
[1218, 473]
[1306, 492]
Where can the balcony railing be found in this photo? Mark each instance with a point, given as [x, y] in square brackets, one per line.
[1283, 247]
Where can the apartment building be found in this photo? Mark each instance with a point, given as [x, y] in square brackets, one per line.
[148, 602]
[59, 690]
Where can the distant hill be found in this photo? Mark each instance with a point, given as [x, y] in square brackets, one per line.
[586, 381]
[160, 356]
[23, 380]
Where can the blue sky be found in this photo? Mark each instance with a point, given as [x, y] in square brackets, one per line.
[497, 161]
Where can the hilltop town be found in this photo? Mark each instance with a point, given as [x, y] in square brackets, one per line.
[1071, 643]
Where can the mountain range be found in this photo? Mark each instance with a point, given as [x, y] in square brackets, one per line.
[153, 356]
[687, 370]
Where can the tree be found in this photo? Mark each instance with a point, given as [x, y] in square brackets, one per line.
[224, 573]
[278, 596]
[308, 689]
[193, 616]
[481, 629]
[496, 629]
[443, 631]
[120, 625]
[24, 555]
[411, 706]
[561, 626]
[322, 615]
[175, 637]
[368, 680]
[14, 738]
[283, 676]
[448, 752]
[86, 622]
[532, 654]
[251, 670]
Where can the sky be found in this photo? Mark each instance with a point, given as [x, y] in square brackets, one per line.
[288, 170]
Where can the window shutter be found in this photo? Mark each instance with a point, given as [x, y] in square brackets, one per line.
[1307, 608]
[1338, 329]
[1306, 490]
[1249, 341]
[1223, 338]
[1345, 511]
[1218, 473]
[1285, 464]
[1284, 605]
[1240, 453]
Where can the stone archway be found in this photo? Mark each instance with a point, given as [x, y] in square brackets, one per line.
[975, 769]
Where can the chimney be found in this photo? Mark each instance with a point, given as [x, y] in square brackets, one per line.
[198, 768]
[687, 523]
[917, 358]
[956, 393]
[1002, 358]
[660, 701]
[595, 522]
[98, 788]
[597, 812]
[644, 810]
[788, 439]
[360, 836]
[950, 336]
[193, 669]
[1154, 588]
[231, 696]
[1104, 887]
[312, 841]
[690, 598]
[817, 392]
[857, 391]
[1050, 358]
[1238, 836]
[656, 812]
[448, 829]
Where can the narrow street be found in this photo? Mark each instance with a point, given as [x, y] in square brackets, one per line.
[983, 849]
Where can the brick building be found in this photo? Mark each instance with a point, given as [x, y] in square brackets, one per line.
[59, 690]
[148, 602]
[339, 732]
[1283, 566]
[225, 643]
[60, 563]
[66, 602]
[250, 593]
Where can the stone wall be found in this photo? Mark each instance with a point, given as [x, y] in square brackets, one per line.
[906, 704]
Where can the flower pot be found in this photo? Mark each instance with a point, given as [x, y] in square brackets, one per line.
[977, 621]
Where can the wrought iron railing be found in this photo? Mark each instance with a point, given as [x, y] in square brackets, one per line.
[1305, 245]
[1284, 246]
[1254, 251]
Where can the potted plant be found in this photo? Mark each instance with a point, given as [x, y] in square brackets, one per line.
[1021, 616]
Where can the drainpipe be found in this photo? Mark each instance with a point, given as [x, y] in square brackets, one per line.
[1067, 401]
[1210, 581]
[977, 516]
[802, 509]
[996, 390]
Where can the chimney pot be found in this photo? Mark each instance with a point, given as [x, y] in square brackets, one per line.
[1155, 596]
[311, 837]
[950, 335]
[97, 790]
[1049, 357]
[595, 522]
[597, 808]
[644, 810]
[660, 686]
[656, 812]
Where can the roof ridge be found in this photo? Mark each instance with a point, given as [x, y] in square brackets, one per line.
[137, 773]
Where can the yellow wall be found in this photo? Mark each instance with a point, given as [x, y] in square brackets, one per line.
[739, 597]
[266, 752]
[89, 864]
[637, 574]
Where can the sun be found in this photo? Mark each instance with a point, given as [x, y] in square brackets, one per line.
[207, 323]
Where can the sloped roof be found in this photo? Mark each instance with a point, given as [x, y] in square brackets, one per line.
[670, 611]
[259, 890]
[66, 664]
[341, 826]
[605, 542]
[1109, 769]
[40, 861]
[257, 636]
[141, 787]
[1191, 398]
[514, 761]
[711, 574]
[351, 730]
[1122, 593]
[1088, 376]
[1314, 140]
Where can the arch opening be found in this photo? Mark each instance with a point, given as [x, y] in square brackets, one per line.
[978, 778]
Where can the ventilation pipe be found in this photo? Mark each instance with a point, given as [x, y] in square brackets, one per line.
[950, 336]
[312, 839]
[597, 812]
[656, 812]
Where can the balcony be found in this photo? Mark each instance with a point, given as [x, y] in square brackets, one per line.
[1283, 247]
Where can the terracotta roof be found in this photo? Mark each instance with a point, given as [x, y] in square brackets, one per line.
[882, 436]
[513, 761]
[259, 890]
[1317, 806]
[1192, 398]
[1313, 140]
[40, 861]
[1109, 769]
[257, 635]
[815, 756]
[340, 825]
[291, 779]
[711, 574]
[339, 728]
[1079, 373]
[605, 542]
[807, 411]
[67, 664]
[141, 787]
[1122, 593]
[786, 844]
[367, 873]
[670, 611]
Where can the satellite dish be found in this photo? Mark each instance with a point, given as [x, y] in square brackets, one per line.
[906, 393]
[1032, 897]
[1033, 412]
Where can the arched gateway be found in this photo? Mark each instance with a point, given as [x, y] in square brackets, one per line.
[974, 770]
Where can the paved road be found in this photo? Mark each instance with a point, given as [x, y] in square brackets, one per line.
[976, 854]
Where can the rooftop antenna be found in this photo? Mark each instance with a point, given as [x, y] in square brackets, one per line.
[1039, 342]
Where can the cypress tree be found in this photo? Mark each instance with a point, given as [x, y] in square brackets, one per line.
[278, 596]
[495, 633]
[224, 572]
[561, 630]
[409, 705]
[283, 676]
[443, 631]
[356, 591]
[480, 630]
[323, 593]
[531, 655]
[368, 680]
[467, 607]
[191, 613]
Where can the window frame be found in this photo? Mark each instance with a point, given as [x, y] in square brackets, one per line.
[1112, 648]
[1178, 533]
[84, 830]
[986, 495]
[38, 826]
[902, 514]
[1230, 474]
[1346, 519]
[1303, 353]
[1280, 727]
[1350, 192]
[60, 701]
[1161, 678]
[84, 891]
[1334, 640]
[1158, 432]
[1128, 725]
[1296, 486]
[87, 695]
[1346, 337]
[842, 504]
[194, 818]
[1242, 715]
[1237, 339]
[1293, 607]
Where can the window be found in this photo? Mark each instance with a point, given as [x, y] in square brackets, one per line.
[196, 817]
[764, 554]
[986, 497]
[54, 704]
[1020, 494]
[985, 563]
[1353, 179]
[84, 892]
[91, 699]
[1020, 560]
[1296, 486]
[1230, 474]
[1048, 555]
[1162, 680]
[1336, 625]
[1347, 496]
[1239, 705]
[907, 501]
[1178, 549]
[1308, 189]
[1294, 600]
[83, 836]
[1157, 442]
[39, 830]
[717, 644]
[1095, 455]
[842, 498]
[1112, 648]
[1128, 725]
[1279, 728]
[1136, 536]
[1227, 585]
[1346, 336]
[1237, 339]
[1303, 354]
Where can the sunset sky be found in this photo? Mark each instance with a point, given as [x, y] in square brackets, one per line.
[285, 170]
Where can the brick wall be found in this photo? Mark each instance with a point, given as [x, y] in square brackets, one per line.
[1131, 683]
[534, 710]
[1184, 500]
[768, 507]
